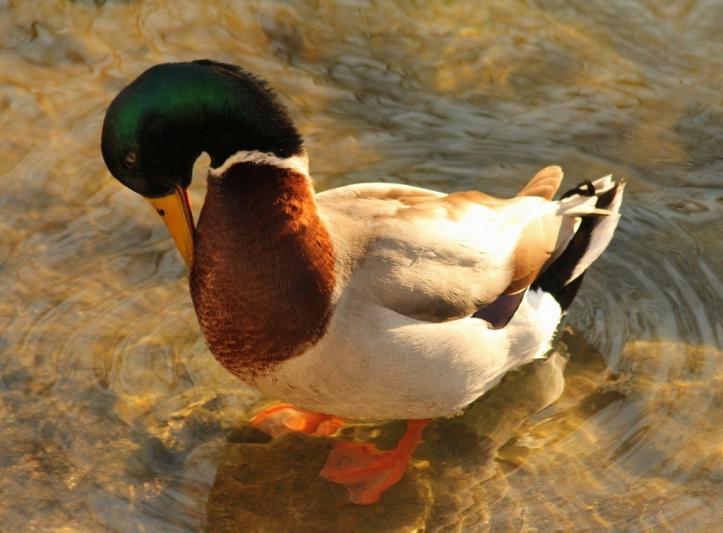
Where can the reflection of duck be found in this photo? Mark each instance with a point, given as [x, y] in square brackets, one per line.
[368, 301]
[458, 477]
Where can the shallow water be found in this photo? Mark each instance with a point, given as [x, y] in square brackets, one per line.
[116, 416]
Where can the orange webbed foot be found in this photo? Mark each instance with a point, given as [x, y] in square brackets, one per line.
[284, 417]
[367, 471]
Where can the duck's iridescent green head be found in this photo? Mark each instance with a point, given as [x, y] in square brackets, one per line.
[158, 125]
[156, 128]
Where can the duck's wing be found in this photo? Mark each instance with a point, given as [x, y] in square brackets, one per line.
[437, 257]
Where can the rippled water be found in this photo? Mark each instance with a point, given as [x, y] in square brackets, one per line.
[114, 414]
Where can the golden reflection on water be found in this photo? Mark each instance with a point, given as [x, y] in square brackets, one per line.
[115, 414]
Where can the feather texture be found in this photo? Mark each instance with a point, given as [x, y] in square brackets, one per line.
[432, 304]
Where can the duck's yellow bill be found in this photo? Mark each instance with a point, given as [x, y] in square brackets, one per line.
[175, 210]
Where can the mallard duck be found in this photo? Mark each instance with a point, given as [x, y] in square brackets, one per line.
[370, 301]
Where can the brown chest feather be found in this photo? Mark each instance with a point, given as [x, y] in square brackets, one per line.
[263, 269]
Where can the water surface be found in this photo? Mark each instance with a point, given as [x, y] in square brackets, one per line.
[115, 416]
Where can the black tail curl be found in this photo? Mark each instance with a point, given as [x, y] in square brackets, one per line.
[556, 279]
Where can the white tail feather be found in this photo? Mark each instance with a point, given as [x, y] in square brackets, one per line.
[604, 229]
[563, 273]
[602, 234]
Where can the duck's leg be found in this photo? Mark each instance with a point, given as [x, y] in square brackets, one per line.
[367, 471]
[284, 417]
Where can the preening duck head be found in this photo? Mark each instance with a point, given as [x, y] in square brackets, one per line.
[158, 125]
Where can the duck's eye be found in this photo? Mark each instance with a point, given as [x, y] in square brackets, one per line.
[129, 159]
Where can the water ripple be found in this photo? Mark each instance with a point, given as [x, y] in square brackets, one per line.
[115, 414]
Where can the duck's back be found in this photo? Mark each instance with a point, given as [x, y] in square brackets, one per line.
[428, 255]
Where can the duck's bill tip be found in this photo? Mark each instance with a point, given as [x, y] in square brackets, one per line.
[175, 210]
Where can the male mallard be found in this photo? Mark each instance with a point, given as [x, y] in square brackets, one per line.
[370, 301]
